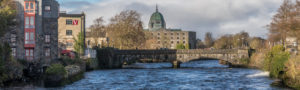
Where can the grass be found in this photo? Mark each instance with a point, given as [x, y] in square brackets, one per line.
[292, 74]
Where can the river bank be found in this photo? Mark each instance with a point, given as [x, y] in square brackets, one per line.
[281, 65]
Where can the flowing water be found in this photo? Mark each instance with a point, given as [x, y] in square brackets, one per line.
[207, 75]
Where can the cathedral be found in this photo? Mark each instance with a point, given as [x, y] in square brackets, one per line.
[164, 38]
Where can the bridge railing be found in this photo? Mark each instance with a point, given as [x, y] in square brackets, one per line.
[191, 51]
[203, 51]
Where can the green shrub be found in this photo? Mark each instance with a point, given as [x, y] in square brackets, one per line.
[56, 69]
[274, 61]
[180, 46]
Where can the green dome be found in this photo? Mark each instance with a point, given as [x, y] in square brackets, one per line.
[157, 21]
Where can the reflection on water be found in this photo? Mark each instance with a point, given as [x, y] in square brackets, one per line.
[208, 75]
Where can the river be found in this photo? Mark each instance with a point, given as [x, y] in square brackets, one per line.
[207, 75]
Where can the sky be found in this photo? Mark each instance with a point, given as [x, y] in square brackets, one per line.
[217, 16]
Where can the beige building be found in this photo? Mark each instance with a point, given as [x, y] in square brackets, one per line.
[93, 40]
[69, 26]
[168, 38]
[291, 44]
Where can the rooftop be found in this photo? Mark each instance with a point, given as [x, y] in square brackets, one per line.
[64, 14]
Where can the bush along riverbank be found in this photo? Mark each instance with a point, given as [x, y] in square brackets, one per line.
[21, 72]
[280, 64]
[64, 72]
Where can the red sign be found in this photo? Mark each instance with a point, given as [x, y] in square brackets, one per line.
[75, 22]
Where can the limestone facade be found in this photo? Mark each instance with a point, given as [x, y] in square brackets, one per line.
[69, 26]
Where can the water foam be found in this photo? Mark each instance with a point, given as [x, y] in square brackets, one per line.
[259, 74]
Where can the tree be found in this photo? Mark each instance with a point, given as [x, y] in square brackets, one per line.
[240, 39]
[7, 15]
[98, 30]
[180, 46]
[209, 41]
[284, 22]
[257, 43]
[224, 42]
[199, 44]
[187, 46]
[79, 43]
[150, 40]
[126, 31]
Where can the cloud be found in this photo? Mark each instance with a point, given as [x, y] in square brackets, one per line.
[217, 16]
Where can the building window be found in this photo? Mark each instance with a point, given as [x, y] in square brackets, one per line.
[47, 38]
[26, 36]
[13, 52]
[158, 42]
[47, 52]
[171, 37]
[183, 38]
[158, 33]
[29, 54]
[29, 7]
[26, 22]
[32, 22]
[47, 8]
[13, 37]
[166, 34]
[183, 33]
[29, 37]
[172, 42]
[69, 22]
[177, 42]
[69, 44]
[69, 32]
[26, 5]
[183, 42]
[177, 33]
[171, 33]
[152, 34]
[177, 37]
[158, 37]
[29, 22]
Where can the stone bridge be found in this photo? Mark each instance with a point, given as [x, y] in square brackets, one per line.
[116, 58]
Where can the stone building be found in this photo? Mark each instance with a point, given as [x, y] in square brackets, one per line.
[69, 26]
[35, 37]
[168, 38]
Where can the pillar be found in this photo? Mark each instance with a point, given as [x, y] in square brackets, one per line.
[176, 64]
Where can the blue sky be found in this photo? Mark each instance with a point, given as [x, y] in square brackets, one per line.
[217, 16]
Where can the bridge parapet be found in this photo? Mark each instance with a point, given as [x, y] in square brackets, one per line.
[203, 51]
[121, 56]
